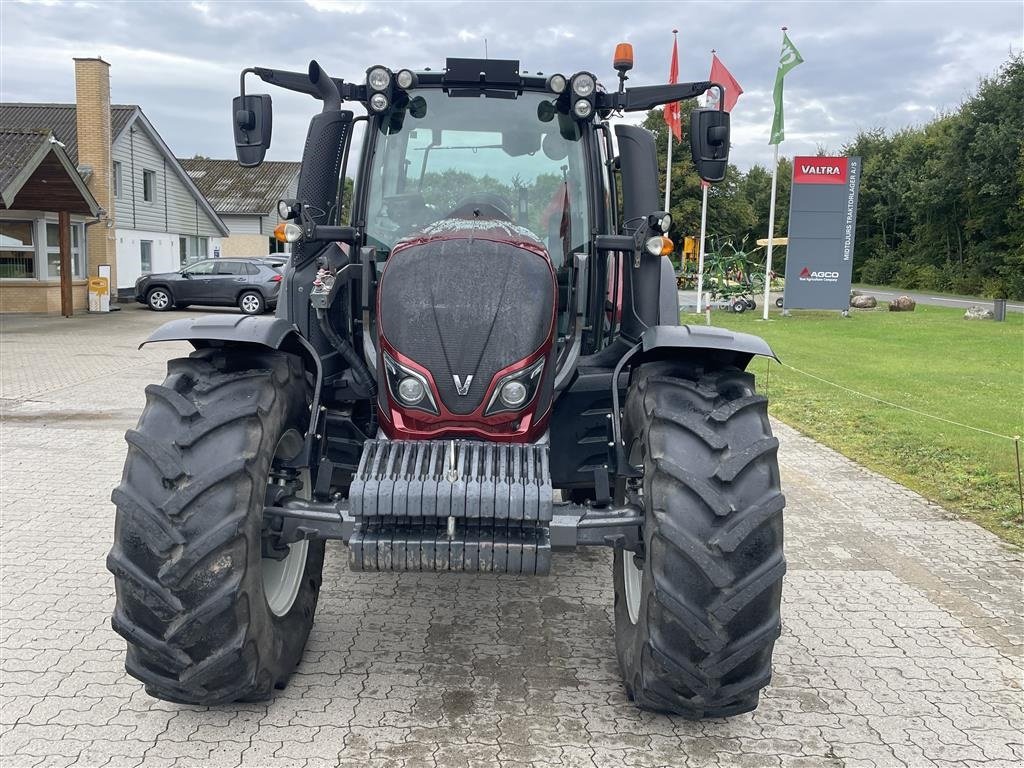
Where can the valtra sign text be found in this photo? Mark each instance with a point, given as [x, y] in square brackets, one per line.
[820, 170]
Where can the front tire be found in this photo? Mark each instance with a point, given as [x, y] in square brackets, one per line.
[159, 300]
[698, 613]
[207, 618]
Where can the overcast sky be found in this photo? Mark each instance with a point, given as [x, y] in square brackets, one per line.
[889, 64]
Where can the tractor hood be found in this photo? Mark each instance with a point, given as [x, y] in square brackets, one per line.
[464, 301]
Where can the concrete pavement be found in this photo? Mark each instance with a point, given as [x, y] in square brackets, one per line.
[902, 643]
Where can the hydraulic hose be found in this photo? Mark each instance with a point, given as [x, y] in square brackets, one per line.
[359, 370]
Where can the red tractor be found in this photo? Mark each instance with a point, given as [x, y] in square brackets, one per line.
[481, 365]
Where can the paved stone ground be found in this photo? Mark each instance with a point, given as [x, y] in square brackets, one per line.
[902, 641]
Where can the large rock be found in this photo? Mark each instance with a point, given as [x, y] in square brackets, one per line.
[975, 312]
[902, 304]
[863, 302]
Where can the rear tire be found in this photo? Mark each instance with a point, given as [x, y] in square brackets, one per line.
[697, 619]
[204, 623]
[252, 303]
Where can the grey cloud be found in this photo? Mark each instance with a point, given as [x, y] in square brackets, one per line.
[867, 64]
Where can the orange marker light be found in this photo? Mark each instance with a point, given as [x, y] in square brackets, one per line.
[279, 232]
[623, 57]
[666, 246]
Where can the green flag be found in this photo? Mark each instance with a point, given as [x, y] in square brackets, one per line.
[788, 59]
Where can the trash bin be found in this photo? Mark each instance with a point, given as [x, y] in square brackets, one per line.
[99, 294]
[999, 310]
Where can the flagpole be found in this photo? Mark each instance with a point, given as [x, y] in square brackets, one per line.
[771, 234]
[668, 169]
[700, 251]
[668, 163]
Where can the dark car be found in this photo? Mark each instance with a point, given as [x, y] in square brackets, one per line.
[251, 284]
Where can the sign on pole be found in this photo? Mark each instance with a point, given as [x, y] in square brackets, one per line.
[822, 225]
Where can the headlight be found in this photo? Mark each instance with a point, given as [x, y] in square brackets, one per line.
[378, 102]
[410, 390]
[556, 83]
[516, 390]
[583, 84]
[378, 78]
[666, 222]
[408, 387]
[513, 394]
[582, 108]
[406, 79]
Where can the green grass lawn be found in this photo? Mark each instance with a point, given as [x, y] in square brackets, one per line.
[931, 360]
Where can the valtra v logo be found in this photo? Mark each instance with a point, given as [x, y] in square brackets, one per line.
[820, 170]
[807, 276]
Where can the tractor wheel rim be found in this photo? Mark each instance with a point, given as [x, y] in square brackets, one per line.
[250, 303]
[632, 582]
[282, 578]
[159, 300]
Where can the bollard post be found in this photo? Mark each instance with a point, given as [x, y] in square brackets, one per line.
[999, 310]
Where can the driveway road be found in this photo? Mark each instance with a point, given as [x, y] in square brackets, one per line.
[902, 641]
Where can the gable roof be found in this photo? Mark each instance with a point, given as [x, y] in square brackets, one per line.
[62, 121]
[233, 189]
[34, 162]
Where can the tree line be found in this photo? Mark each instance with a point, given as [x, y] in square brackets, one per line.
[941, 205]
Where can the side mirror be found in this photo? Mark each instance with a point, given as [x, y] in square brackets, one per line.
[709, 143]
[186, 274]
[253, 121]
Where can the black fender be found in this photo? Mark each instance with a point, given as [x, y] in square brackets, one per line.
[718, 345]
[251, 331]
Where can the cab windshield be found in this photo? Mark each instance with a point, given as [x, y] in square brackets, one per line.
[444, 156]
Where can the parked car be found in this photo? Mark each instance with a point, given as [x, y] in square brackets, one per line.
[251, 284]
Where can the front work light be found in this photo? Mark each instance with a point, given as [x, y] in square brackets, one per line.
[378, 78]
[288, 209]
[556, 83]
[582, 109]
[583, 84]
[378, 102]
[405, 79]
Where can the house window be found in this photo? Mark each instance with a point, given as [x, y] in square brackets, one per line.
[53, 251]
[149, 186]
[17, 249]
[191, 248]
[117, 179]
[146, 256]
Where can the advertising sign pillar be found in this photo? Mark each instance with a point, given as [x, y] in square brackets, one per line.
[822, 226]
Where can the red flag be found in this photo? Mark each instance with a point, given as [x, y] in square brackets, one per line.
[722, 76]
[671, 113]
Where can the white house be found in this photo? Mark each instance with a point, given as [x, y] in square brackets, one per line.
[160, 218]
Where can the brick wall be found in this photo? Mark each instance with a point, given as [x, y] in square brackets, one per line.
[92, 96]
[36, 296]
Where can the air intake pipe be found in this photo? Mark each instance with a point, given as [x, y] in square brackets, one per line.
[640, 291]
[319, 177]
